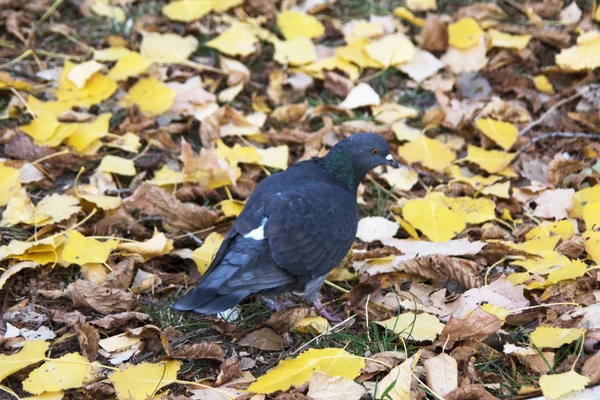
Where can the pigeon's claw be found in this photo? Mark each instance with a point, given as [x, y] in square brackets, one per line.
[277, 305]
[325, 314]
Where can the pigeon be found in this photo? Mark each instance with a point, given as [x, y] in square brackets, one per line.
[294, 229]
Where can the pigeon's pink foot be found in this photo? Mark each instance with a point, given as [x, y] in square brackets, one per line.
[278, 305]
[325, 314]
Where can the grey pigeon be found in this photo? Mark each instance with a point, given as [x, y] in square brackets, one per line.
[295, 228]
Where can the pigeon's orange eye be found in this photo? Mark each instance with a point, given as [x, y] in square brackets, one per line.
[374, 151]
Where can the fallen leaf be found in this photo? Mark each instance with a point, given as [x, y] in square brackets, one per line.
[442, 373]
[151, 95]
[464, 34]
[199, 351]
[503, 133]
[138, 382]
[168, 47]
[554, 204]
[558, 385]
[73, 370]
[491, 161]
[312, 325]
[294, 24]
[99, 298]
[263, 339]
[397, 383]
[360, 96]
[371, 229]
[551, 337]
[433, 217]
[430, 153]
[33, 351]
[478, 325]
[324, 387]
[82, 250]
[418, 327]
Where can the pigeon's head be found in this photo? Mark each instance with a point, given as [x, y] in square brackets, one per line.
[352, 158]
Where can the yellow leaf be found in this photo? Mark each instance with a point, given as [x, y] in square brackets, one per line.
[67, 372]
[294, 24]
[472, 211]
[564, 229]
[355, 53]
[591, 216]
[297, 51]
[432, 216]
[572, 270]
[9, 183]
[131, 64]
[500, 190]
[229, 94]
[430, 153]
[421, 5]
[274, 157]
[418, 327]
[396, 385]
[41, 128]
[56, 208]
[80, 73]
[87, 133]
[94, 272]
[166, 176]
[401, 178]
[152, 95]
[391, 50]
[104, 202]
[204, 254]
[312, 325]
[224, 5]
[503, 133]
[542, 84]
[407, 227]
[491, 161]
[81, 250]
[138, 382]
[20, 209]
[46, 396]
[405, 132]
[464, 34]
[157, 246]
[56, 108]
[297, 371]
[592, 245]
[508, 41]
[238, 154]
[117, 165]
[405, 14]
[33, 351]
[548, 262]
[387, 113]
[111, 53]
[238, 40]
[104, 9]
[498, 311]
[364, 29]
[97, 88]
[549, 336]
[558, 385]
[582, 57]
[231, 208]
[187, 10]
[583, 197]
[129, 142]
[168, 47]
[535, 246]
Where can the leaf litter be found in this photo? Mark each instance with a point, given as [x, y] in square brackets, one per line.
[132, 135]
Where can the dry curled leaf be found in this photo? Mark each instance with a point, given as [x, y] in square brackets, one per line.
[263, 339]
[434, 266]
[114, 321]
[199, 351]
[478, 325]
[102, 299]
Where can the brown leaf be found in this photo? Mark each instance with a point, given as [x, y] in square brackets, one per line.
[290, 113]
[67, 318]
[263, 339]
[153, 200]
[591, 368]
[560, 168]
[199, 351]
[572, 247]
[285, 321]
[337, 84]
[22, 147]
[229, 370]
[88, 338]
[470, 392]
[434, 36]
[123, 319]
[385, 358]
[536, 362]
[262, 8]
[120, 222]
[442, 373]
[197, 194]
[478, 325]
[156, 338]
[121, 275]
[104, 300]
[434, 266]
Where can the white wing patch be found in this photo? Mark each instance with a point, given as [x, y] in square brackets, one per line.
[258, 233]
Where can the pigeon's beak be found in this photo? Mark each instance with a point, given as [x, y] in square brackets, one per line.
[391, 162]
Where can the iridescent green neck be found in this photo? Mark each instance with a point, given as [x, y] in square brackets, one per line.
[341, 169]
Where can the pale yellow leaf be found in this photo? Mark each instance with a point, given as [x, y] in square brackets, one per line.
[542, 84]
[361, 95]
[89, 132]
[81, 250]
[33, 351]
[167, 47]
[274, 157]
[402, 178]
[312, 325]
[117, 165]
[9, 183]
[138, 382]
[297, 51]
[97, 89]
[557, 385]
[418, 327]
[405, 14]
[503, 133]
[551, 337]
[152, 95]
[564, 229]
[472, 211]
[387, 113]
[405, 132]
[104, 9]
[131, 64]
[464, 34]
[391, 50]
[187, 10]
[158, 245]
[294, 24]
[508, 41]
[582, 57]
[231, 208]
[430, 153]
[421, 5]
[238, 40]
[111, 53]
[67, 372]
[491, 161]
[80, 74]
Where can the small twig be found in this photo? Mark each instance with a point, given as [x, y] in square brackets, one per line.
[333, 328]
[567, 135]
[551, 110]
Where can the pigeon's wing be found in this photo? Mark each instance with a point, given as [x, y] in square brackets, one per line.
[310, 231]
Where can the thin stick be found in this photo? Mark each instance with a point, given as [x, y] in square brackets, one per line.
[10, 63]
[333, 285]
[550, 111]
[566, 135]
[324, 333]
[49, 12]
[23, 102]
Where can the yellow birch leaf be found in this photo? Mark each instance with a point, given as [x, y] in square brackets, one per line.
[405, 14]
[491, 161]
[238, 154]
[67, 372]
[132, 64]
[19, 210]
[297, 51]
[418, 327]
[582, 57]
[364, 29]
[583, 197]
[407, 227]
[152, 95]
[542, 84]
[432, 216]
[334, 362]
[355, 53]
[238, 40]
[229, 94]
[274, 157]
[500, 312]
[9, 183]
[104, 9]
[508, 41]
[166, 176]
[158, 245]
[548, 262]
[87, 133]
[535, 246]
[387, 113]
[111, 54]
[56, 208]
[41, 128]
[168, 47]
[430, 153]
[80, 73]
[33, 351]
[464, 34]
[294, 24]
[139, 382]
[312, 325]
[81, 250]
[518, 278]
[551, 337]
[231, 208]
[117, 165]
[56, 108]
[574, 269]
[97, 88]
[557, 385]
[564, 229]
[204, 254]
[104, 202]
[500, 190]
[405, 132]
[46, 396]
[592, 245]
[62, 133]
[402, 178]
[591, 216]
[503, 133]
[187, 10]
[472, 211]
[391, 50]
